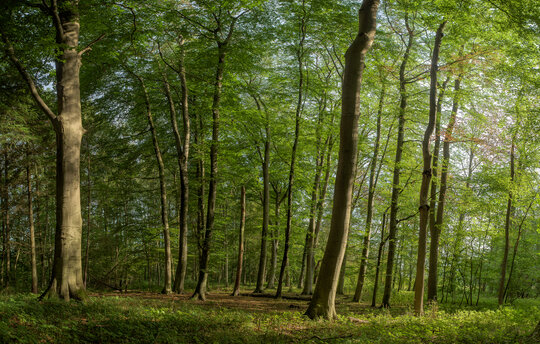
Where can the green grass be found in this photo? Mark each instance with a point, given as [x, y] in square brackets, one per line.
[119, 319]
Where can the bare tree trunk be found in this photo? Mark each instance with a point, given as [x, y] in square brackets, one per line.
[396, 190]
[182, 152]
[6, 254]
[88, 208]
[437, 228]
[31, 225]
[66, 280]
[371, 193]
[236, 290]
[299, 105]
[379, 258]
[323, 301]
[167, 288]
[200, 289]
[266, 203]
[426, 178]
[432, 293]
[509, 210]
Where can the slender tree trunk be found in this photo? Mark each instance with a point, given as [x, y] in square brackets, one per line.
[371, 193]
[182, 152]
[266, 204]
[323, 301]
[426, 178]
[88, 208]
[200, 289]
[396, 190]
[379, 258]
[167, 288]
[31, 225]
[6, 258]
[299, 105]
[236, 290]
[432, 292]
[435, 231]
[509, 210]
[516, 245]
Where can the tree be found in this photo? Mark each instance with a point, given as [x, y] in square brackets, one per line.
[426, 176]
[66, 280]
[323, 301]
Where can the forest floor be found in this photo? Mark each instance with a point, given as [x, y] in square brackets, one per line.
[146, 317]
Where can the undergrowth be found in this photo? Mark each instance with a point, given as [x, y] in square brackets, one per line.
[121, 319]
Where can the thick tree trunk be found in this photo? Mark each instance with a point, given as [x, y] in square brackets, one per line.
[323, 301]
[426, 178]
[236, 290]
[31, 225]
[507, 225]
[371, 193]
[396, 190]
[66, 280]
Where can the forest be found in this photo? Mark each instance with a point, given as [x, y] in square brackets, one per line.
[264, 171]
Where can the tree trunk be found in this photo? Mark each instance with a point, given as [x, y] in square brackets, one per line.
[88, 207]
[266, 204]
[323, 301]
[435, 231]
[509, 210]
[167, 288]
[200, 289]
[299, 105]
[371, 193]
[236, 290]
[31, 225]
[426, 178]
[396, 190]
[432, 293]
[182, 153]
[379, 258]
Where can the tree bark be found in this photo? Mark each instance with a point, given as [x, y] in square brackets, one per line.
[396, 190]
[299, 105]
[507, 225]
[182, 152]
[426, 177]
[31, 225]
[167, 287]
[266, 204]
[435, 230]
[236, 290]
[371, 193]
[323, 301]
[222, 45]
[66, 280]
[432, 293]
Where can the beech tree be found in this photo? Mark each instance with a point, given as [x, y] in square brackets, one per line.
[323, 301]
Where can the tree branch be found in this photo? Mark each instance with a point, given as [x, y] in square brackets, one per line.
[29, 81]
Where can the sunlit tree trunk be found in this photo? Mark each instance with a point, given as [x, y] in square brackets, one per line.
[396, 190]
[426, 178]
[323, 301]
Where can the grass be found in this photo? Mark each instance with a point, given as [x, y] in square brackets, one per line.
[153, 318]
